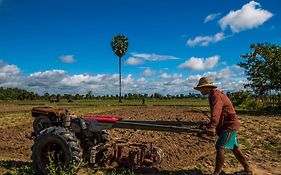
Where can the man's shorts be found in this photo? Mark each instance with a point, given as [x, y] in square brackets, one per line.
[227, 140]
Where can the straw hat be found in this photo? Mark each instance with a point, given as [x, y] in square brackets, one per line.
[205, 82]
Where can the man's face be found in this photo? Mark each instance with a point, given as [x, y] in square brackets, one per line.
[204, 90]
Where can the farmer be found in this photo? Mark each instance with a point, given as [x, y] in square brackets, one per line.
[224, 123]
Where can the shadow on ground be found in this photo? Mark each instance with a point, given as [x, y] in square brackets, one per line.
[155, 171]
[15, 167]
[25, 168]
[265, 112]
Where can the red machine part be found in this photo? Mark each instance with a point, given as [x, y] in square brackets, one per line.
[104, 119]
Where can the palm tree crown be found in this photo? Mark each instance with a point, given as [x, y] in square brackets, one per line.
[119, 45]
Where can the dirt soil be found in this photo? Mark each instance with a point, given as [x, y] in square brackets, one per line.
[185, 153]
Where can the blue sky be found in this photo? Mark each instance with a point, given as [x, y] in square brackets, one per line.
[63, 46]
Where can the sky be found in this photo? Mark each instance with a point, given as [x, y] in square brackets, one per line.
[63, 46]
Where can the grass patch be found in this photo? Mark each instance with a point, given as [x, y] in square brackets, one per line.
[14, 119]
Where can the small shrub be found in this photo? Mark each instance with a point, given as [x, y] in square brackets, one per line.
[239, 97]
[252, 105]
[56, 168]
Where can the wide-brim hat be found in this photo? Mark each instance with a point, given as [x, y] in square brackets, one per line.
[205, 82]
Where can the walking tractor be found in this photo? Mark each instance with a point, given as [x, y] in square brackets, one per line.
[72, 138]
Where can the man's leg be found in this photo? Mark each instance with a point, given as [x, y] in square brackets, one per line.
[219, 160]
[241, 158]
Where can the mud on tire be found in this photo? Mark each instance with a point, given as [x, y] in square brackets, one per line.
[58, 141]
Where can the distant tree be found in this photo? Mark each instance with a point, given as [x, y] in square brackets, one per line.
[46, 96]
[168, 96]
[239, 97]
[125, 96]
[157, 95]
[145, 95]
[58, 97]
[88, 95]
[119, 45]
[53, 98]
[181, 96]
[135, 96]
[77, 97]
[67, 96]
[130, 96]
[263, 68]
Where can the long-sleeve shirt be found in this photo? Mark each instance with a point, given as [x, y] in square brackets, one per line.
[223, 115]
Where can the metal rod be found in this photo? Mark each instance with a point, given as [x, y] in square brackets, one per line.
[165, 122]
[153, 127]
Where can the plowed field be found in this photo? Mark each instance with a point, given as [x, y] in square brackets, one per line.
[259, 139]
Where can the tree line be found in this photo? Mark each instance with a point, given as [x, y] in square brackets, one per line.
[17, 94]
[246, 99]
[21, 94]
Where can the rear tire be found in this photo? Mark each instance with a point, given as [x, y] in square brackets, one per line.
[58, 141]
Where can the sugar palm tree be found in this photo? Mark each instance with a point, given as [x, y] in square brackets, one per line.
[119, 46]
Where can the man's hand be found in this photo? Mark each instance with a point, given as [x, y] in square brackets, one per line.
[210, 132]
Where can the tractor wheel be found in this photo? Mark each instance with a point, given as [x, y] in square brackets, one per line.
[57, 147]
[41, 122]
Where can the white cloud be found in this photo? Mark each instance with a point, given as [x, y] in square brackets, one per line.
[134, 61]
[67, 58]
[195, 63]
[171, 76]
[193, 78]
[47, 79]
[10, 75]
[165, 75]
[211, 17]
[86, 79]
[148, 72]
[227, 79]
[247, 17]
[9, 70]
[50, 74]
[58, 81]
[142, 81]
[230, 78]
[75, 80]
[153, 57]
[129, 80]
[221, 74]
[206, 40]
